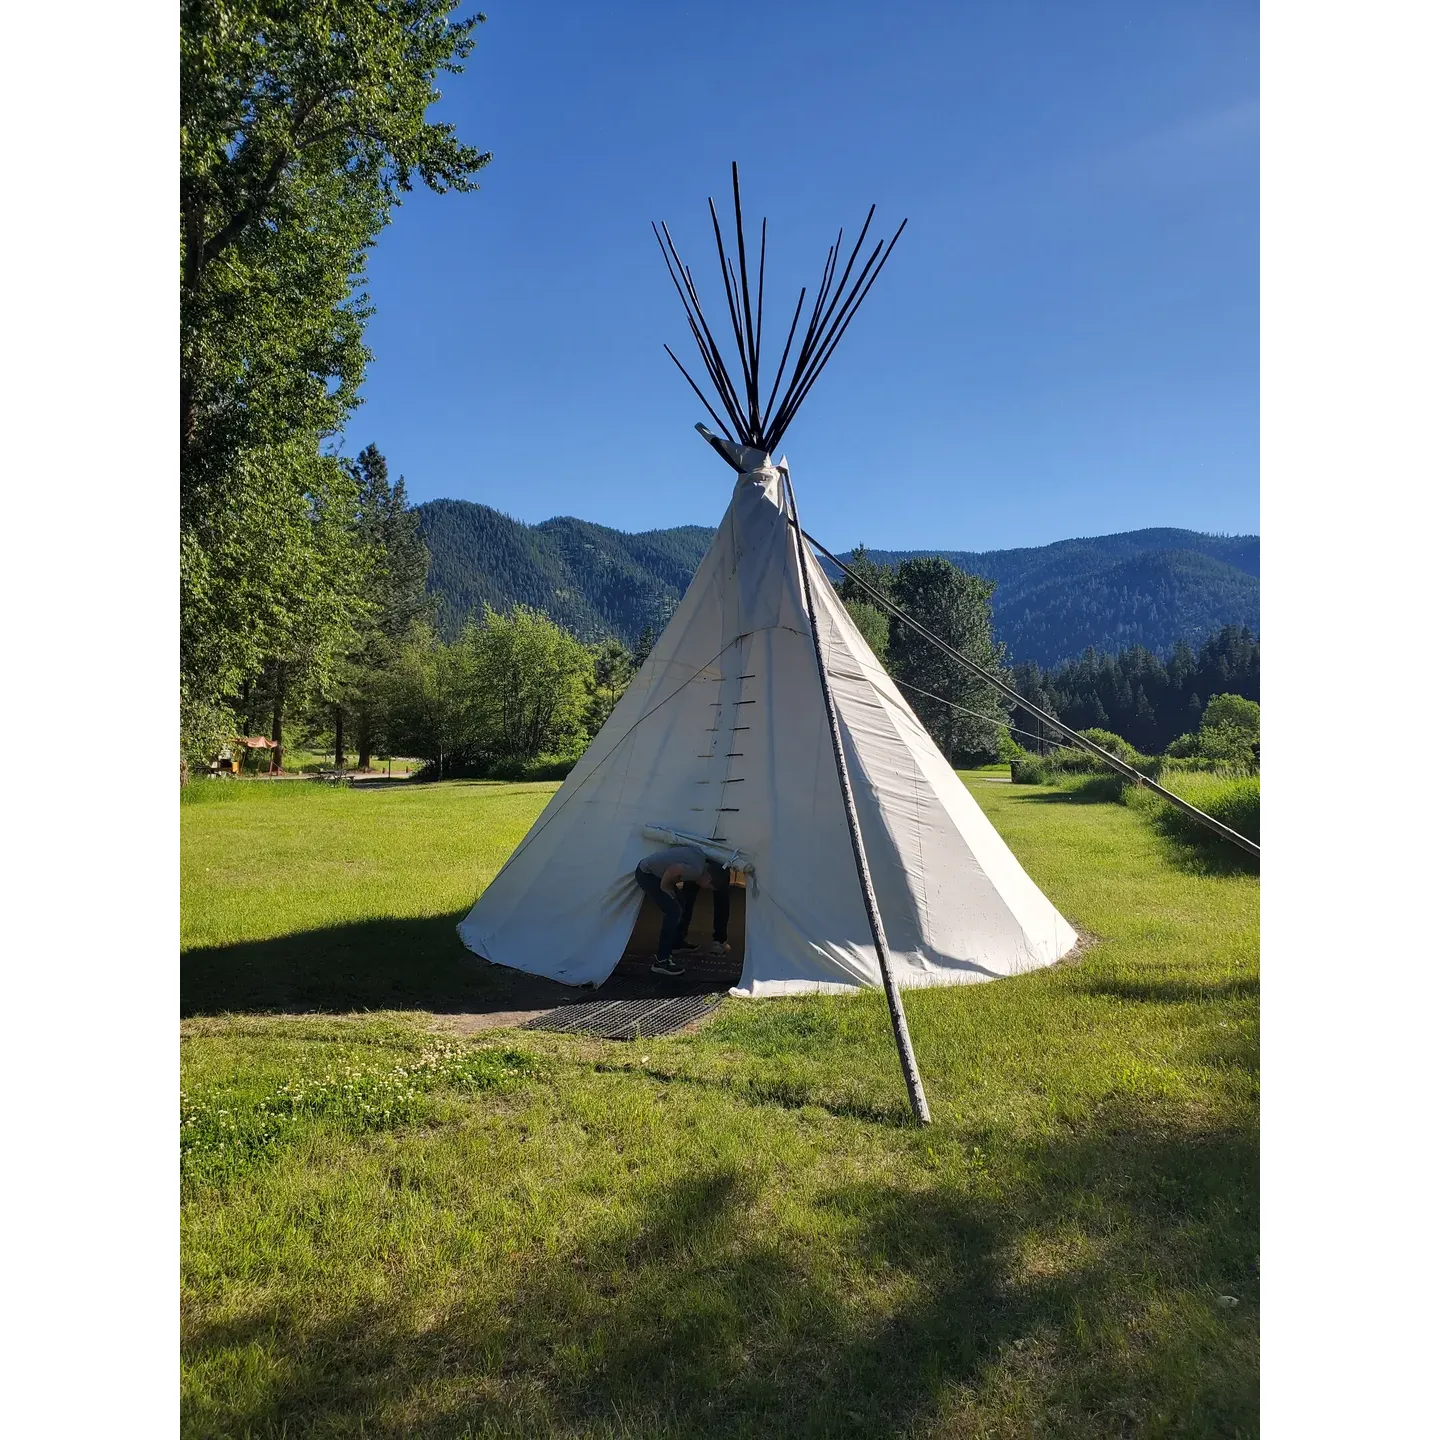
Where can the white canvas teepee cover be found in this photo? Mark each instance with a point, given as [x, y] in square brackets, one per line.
[722, 734]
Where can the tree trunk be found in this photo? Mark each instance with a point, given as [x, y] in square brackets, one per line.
[339, 738]
[362, 739]
[277, 715]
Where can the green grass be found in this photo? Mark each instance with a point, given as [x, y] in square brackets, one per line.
[1228, 792]
[1229, 796]
[1234, 800]
[734, 1232]
[299, 896]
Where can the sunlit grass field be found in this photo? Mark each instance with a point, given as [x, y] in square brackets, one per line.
[391, 1230]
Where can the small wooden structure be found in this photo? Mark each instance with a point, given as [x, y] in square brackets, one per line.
[228, 762]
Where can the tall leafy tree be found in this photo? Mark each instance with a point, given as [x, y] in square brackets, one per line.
[510, 688]
[302, 125]
[873, 624]
[863, 568]
[313, 605]
[1230, 730]
[430, 698]
[391, 529]
[870, 620]
[531, 682]
[953, 605]
[956, 607]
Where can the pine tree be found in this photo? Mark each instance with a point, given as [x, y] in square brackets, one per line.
[956, 607]
[613, 669]
[643, 646]
[392, 602]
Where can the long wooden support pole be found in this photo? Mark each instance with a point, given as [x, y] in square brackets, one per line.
[1244, 842]
[913, 1083]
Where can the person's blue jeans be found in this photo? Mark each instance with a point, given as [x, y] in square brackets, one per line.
[675, 912]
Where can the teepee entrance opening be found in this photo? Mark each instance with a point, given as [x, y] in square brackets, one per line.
[703, 971]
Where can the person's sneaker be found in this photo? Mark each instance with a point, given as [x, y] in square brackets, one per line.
[667, 967]
[718, 947]
[686, 947]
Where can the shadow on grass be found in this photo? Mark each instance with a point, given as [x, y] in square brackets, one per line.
[687, 1309]
[1097, 790]
[1173, 992]
[390, 964]
[1191, 847]
[368, 965]
[789, 1092]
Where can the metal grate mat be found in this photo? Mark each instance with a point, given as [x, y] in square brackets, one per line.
[625, 1019]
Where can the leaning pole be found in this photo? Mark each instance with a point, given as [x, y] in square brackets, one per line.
[913, 1082]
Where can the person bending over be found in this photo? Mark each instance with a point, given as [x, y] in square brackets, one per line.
[671, 878]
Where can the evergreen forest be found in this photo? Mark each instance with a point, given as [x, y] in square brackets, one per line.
[1148, 700]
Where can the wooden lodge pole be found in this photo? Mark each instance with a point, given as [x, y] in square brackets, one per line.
[913, 1082]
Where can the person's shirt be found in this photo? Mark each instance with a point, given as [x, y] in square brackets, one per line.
[690, 859]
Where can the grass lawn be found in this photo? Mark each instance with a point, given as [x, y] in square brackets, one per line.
[388, 1230]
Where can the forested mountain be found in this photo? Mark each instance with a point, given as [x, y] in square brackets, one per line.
[1141, 587]
[1051, 602]
[592, 580]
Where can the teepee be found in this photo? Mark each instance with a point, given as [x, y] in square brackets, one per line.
[762, 727]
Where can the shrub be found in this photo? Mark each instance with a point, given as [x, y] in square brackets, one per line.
[1239, 807]
[1035, 770]
[1119, 748]
[542, 767]
[1233, 799]
[1183, 747]
[1009, 748]
[494, 767]
[1071, 760]
[1228, 744]
[1205, 765]
[1230, 731]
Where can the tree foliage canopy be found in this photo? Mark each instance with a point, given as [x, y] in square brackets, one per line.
[511, 688]
[302, 125]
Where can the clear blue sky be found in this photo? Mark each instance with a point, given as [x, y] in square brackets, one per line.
[1065, 341]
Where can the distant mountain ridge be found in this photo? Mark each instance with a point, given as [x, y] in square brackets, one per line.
[1138, 587]
[1146, 587]
[592, 580]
